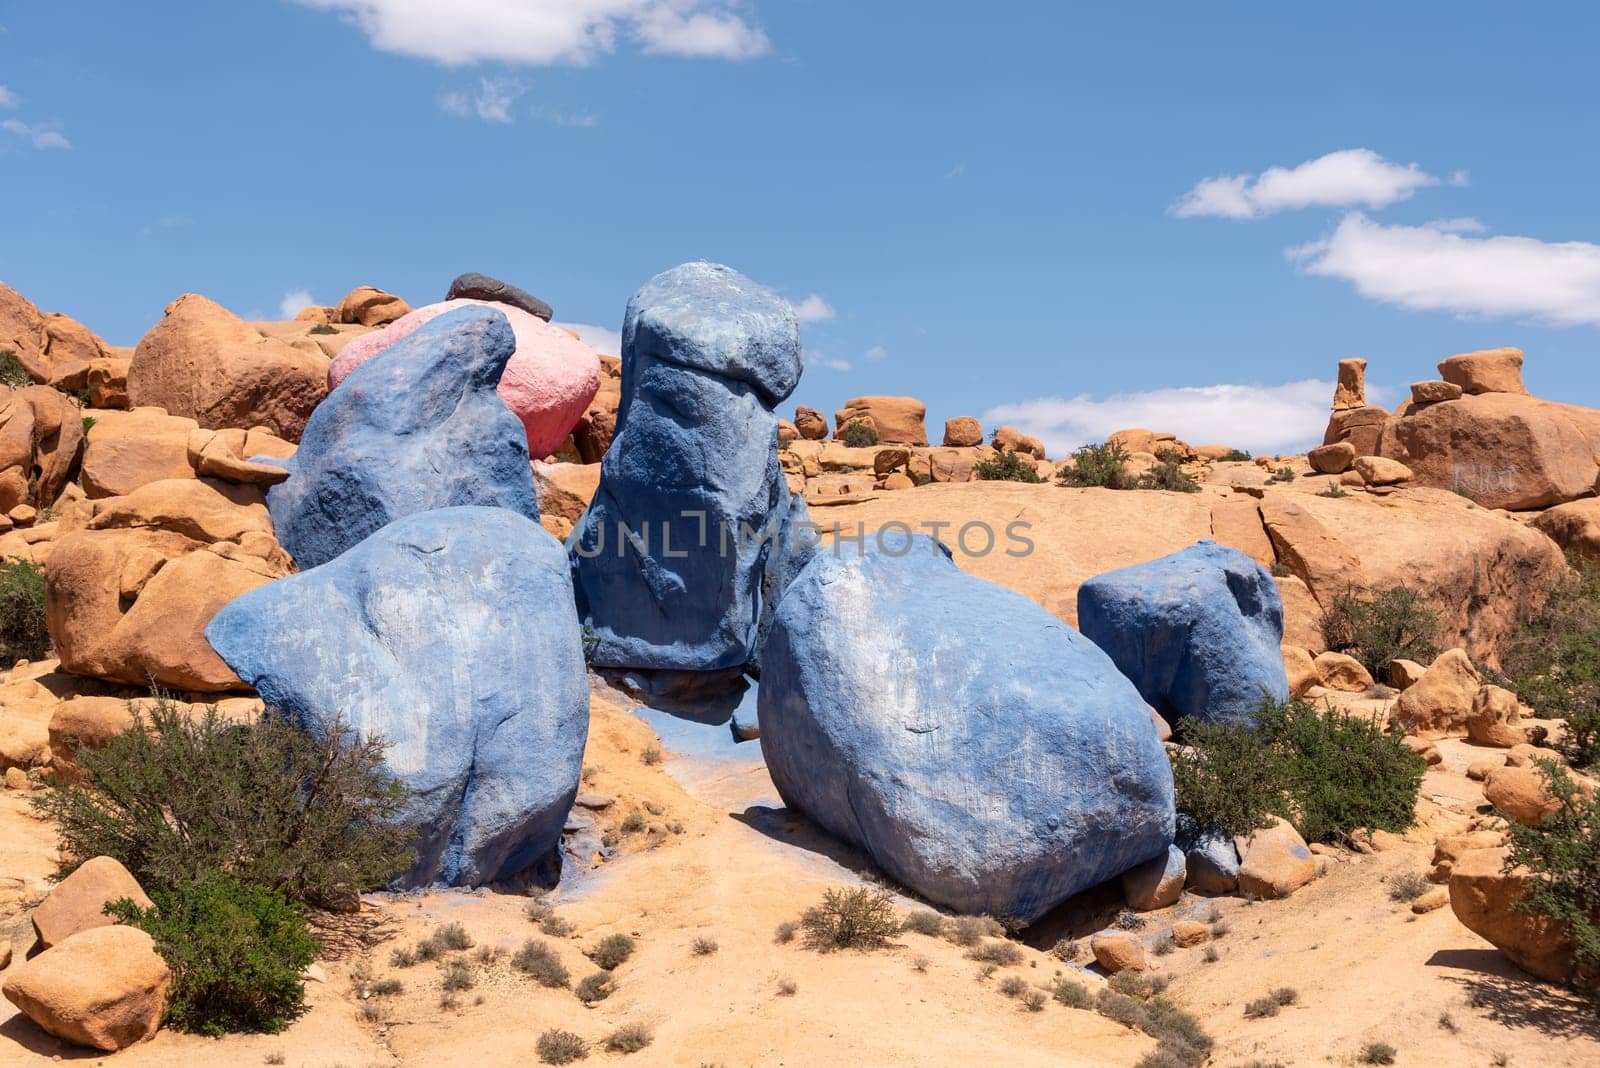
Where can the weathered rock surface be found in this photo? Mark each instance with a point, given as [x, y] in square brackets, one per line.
[1156, 883]
[105, 988]
[1485, 371]
[475, 286]
[706, 356]
[1198, 632]
[1574, 526]
[993, 777]
[1274, 862]
[1351, 389]
[548, 382]
[1334, 459]
[54, 349]
[126, 450]
[898, 420]
[1441, 701]
[963, 432]
[369, 306]
[78, 902]
[1484, 898]
[41, 436]
[452, 634]
[420, 429]
[204, 363]
[1341, 672]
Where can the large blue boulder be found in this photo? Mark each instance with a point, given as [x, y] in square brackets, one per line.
[453, 636]
[690, 534]
[982, 752]
[420, 427]
[1199, 632]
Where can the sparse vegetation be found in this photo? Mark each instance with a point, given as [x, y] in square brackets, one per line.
[650, 755]
[593, 988]
[236, 952]
[1331, 772]
[1104, 466]
[1013, 986]
[23, 633]
[1000, 954]
[556, 1046]
[1385, 625]
[787, 988]
[1552, 660]
[315, 817]
[1282, 474]
[629, 1038]
[323, 328]
[1335, 491]
[1182, 1042]
[703, 947]
[12, 374]
[1168, 474]
[860, 918]
[540, 963]
[1408, 886]
[1563, 855]
[859, 434]
[88, 424]
[457, 976]
[612, 951]
[924, 922]
[1006, 466]
[1034, 1000]
[785, 932]
[1235, 456]
[632, 823]
[557, 926]
[1073, 995]
[1377, 1053]
[970, 930]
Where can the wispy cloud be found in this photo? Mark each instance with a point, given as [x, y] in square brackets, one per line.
[813, 309]
[492, 101]
[580, 120]
[39, 135]
[544, 32]
[957, 171]
[1340, 179]
[1266, 418]
[1443, 266]
[8, 99]
[293, 301]
[877, 352]
[603, 339]
[818, 358]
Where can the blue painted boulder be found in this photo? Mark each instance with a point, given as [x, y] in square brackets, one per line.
[1199, 632]
[418, 428]
[689, 535]
[453, 636]
[982, 752]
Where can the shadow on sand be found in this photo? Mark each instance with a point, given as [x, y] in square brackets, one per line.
[1512, 998]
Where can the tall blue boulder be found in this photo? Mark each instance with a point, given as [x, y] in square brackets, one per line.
[453, 636]
[980, 750]
[690, 534]
[420, 427]
[1199, 632]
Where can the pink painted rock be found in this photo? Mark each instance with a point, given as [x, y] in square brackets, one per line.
[549, 382]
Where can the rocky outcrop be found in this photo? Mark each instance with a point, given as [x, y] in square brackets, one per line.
[1441, 701]
[996, 777]
[204, 363]
[105, 988]
[452, 635]
[369, 306]
[1485, 371]
[1198, 632]
[128, 596]
[548, 382]
[706, 356]
[564, 491]
[423, 428]
[78, 902]
[54, 349]
[1010, 439]
[1274, 861]
[1484, 897]
[1351, 389]
[963, 432]
[898, 420]
[127, 450]
[475, 286]
[41, 440]
[1574, 526]
[592, 436]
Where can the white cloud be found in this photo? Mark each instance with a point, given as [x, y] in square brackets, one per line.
[877, 352]
[1461, 179]
[582, 120]
[1340, 179]
[602, 339]
[813, 310]
[957, 171]
[8, 99]
[818, 358]
[492, 102]
[1264, 418]
[39, 135]
[544, 32]
[293, 301]
[1442, 267]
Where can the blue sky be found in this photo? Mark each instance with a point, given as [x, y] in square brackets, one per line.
[995, 208]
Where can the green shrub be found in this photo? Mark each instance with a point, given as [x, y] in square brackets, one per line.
[1104, 466]
[1282, 474]
[1334, 490]
[1377, 1053]
[556, 1046]
[1552, 660]
[323, 328]
[1168, 474]
[1073, 995]
[315, 817]
[23, 633]
[612, 951]
[88, 424]
[1235, 456]
[1006, 466]
[236, 953]
[1330, 772]
[593, 988]
[12, 374]
[1386, 625]
[540, 963]
[862, 918]
[1563, 853]
[859, 434]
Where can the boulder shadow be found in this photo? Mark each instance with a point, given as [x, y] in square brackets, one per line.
[790, 828]
[36, 1040]
[1510, 997]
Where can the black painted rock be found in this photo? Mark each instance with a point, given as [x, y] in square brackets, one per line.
[477, 286]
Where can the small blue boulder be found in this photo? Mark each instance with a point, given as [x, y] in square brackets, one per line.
[420, 427]
[1199, 632]
[981, 751]
[453, 636]
[690, 535]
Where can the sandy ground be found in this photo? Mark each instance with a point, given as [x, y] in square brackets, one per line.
[719, 859]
